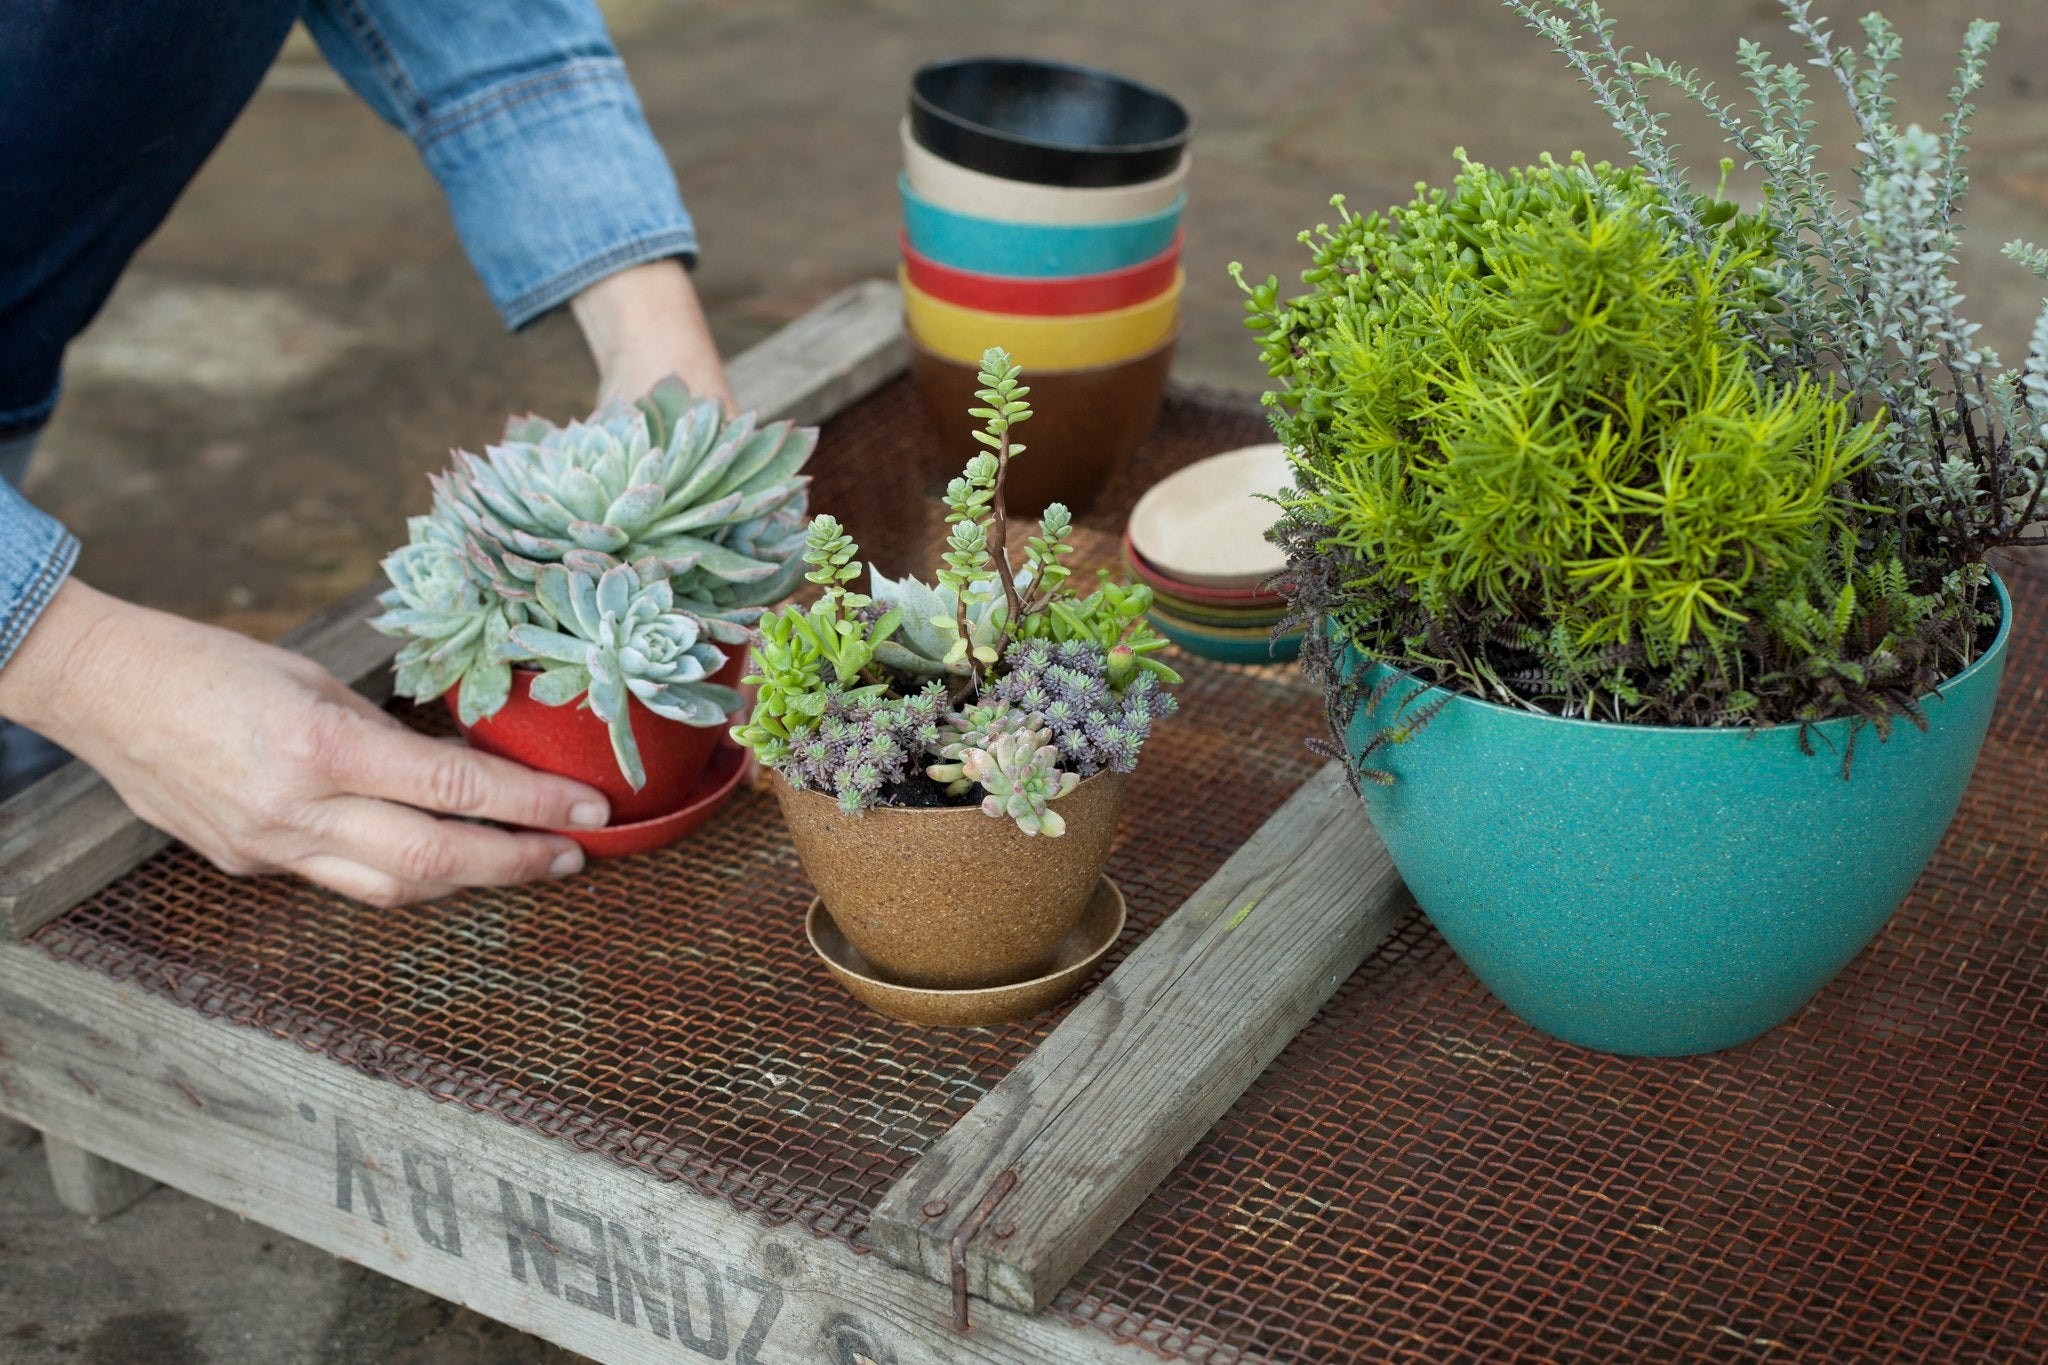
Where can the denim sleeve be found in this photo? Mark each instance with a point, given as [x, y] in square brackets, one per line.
[35, 556]
[525, 115]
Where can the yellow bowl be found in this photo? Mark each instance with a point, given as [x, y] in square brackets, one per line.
[1074, 342]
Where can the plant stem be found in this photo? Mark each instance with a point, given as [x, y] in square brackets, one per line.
[998, 548]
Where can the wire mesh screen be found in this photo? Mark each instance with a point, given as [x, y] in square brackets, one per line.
[665, 1010]
[1418, 1177]
[1422, 1177]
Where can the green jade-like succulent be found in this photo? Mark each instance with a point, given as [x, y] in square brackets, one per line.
[627, 642]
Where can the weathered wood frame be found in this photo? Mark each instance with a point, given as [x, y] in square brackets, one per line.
[597, 1256]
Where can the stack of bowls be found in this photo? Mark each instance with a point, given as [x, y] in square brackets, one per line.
[1198, 537]
[1041, 213]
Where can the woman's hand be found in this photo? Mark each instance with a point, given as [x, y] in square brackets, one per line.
[644, 324]
[264, 762]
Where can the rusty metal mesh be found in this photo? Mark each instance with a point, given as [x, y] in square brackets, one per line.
[665, 1010]
[1420, 1176]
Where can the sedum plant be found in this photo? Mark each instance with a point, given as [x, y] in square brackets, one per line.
[995, 685]
[1537, 459]
[612, 553]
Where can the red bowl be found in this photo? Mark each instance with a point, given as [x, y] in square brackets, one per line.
[715, 785]
[1193, 592]
[1058, 296]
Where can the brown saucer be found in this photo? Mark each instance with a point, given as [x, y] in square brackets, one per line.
[1102, 923]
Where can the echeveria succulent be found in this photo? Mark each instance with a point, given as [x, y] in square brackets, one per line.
[976, 727]
[670, 491]
[714, 500]
[1020, 772]
[622, 638]
[927, 643]
[455, 628]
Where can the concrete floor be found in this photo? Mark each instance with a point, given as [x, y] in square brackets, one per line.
[252, 417]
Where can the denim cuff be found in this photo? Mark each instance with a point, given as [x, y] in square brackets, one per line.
[17, 423]
[555, 181]
[36, 555]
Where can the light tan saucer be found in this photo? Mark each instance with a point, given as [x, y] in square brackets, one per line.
[1206, 524]
[1102, 923]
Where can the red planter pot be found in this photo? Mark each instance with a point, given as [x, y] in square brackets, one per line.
[1056, 296]
[572, 741]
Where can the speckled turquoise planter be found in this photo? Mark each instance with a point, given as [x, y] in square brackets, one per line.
[1658, 891]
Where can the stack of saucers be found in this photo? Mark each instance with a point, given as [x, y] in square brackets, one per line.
[1041, 213]
[1198, 537]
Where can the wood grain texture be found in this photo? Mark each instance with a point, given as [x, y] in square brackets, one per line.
[67, 836]
[600, 1258]
[1094, 1118]
[88, 1185]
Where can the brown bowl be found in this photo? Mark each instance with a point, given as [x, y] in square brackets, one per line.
[1102, 924]
[1084, 425]
[950, 897]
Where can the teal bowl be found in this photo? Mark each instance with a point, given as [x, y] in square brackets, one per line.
[1228, 644]
[1659, 891]
[994, 246]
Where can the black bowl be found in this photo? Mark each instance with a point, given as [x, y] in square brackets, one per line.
[1046, 122]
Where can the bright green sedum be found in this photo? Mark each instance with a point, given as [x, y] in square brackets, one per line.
[1538, 456]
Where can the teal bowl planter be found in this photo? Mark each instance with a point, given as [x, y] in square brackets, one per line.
[1658, 891]
[995, 246]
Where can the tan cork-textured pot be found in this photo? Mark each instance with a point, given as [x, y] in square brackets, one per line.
[951, 897]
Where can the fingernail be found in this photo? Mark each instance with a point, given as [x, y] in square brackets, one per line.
[567, 863]
[588, 815]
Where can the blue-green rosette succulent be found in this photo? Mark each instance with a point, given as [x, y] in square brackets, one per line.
[621, 638]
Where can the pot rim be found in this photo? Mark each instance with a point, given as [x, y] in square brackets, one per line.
[920, 96]
[916, 812]
[1834, 725]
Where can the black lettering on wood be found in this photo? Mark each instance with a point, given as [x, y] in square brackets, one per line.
[351, 1168]
[715, 1341]
[764, 1315]
[523, 1238]
[433, 1209]
[593, 1259]
[639, 1275]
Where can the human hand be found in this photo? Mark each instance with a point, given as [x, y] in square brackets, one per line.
[264, 762]
[644, 324]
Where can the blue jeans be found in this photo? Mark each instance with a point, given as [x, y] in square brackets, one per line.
[24, 754]
[522, 111]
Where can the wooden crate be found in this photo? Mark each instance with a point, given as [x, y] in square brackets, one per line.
[610, 1260]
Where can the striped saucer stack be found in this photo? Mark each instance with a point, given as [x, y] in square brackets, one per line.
[1041, 213]
[1198, 537]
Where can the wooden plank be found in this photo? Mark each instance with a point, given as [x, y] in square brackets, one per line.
[833, 356]
[1094, 1118]
[91, 1186]
[69, 835]
[600, 1258]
